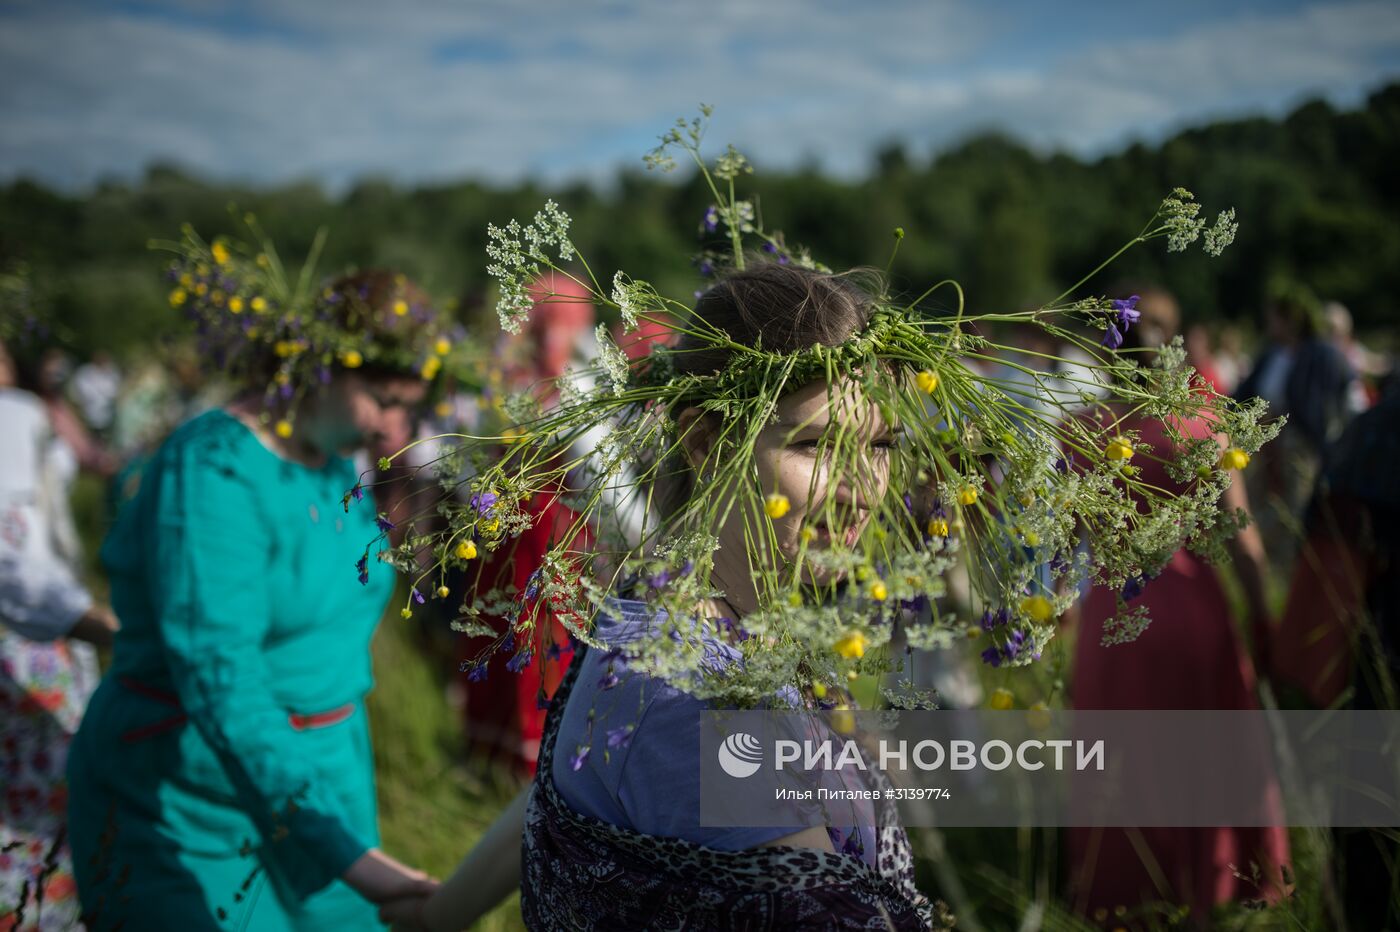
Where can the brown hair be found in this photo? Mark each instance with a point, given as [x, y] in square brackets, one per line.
[782, 308]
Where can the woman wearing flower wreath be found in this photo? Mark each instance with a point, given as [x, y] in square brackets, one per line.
[223, 777]
[813, 456]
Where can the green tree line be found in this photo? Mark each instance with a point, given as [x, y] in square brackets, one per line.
[1316, 193]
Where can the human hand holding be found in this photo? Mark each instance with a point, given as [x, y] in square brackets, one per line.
[380, 878]
[97, 626]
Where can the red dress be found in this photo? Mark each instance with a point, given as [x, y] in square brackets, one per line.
[1191, 656]
[505, 709]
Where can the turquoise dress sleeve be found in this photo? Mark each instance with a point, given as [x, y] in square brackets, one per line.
[213, 543]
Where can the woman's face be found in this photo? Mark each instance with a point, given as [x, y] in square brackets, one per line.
[794, 459]
[373, 412]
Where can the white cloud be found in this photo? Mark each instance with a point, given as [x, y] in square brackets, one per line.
[358, 87]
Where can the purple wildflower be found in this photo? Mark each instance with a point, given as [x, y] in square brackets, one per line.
[483, 501]
[620, 737]
[707, 268]
[770, 248]
[609, 680]
[384, 523]
[476, 672]
[1133, 587]
[417, 596]
[659, 580]
[579, 756]
[358, 492]
[520, 661]
[710, 222]
[992, 655]
[532, 587]
[362, 568]
[1112, 339]
[1128, 314]
[553, 651]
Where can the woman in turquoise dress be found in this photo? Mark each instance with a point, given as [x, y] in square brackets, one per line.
[223, 778]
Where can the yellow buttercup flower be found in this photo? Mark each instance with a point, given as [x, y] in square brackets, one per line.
[201, 289]
[1038, 715]
[491, 526]
[235, 304]
[352, 359]
[927, 381]
[283, 429]
[258, 304]
[1119, 448]
[819, 689]
[186, 281]
[443, 346]
[878, 591]
[807, 535]
[431, 368]
[1002, 699]
[938, 527]
[967, 496]
[1234, 458]
[795, 599]
[466, 550]
[220, 252]
[443, 592]
[1032, 539]
[400, 307]
[178, 297]
[406, 612]
[776, 505]
[851, 646]
[1037, 608]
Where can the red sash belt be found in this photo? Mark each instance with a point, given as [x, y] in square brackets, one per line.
[298, 721]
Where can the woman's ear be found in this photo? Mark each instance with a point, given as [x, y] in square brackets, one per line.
[696, 431]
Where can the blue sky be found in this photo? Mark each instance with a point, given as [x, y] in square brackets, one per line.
[267, 91]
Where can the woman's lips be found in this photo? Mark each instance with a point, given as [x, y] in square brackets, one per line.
[848, 537]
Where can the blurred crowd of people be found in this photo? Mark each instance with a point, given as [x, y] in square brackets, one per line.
[1321, 509]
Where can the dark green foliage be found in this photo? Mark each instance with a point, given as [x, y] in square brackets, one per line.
[1316, 193]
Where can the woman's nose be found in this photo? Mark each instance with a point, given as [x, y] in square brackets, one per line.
[396, 427]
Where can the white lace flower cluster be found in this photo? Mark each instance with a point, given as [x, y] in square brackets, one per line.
[518, 256]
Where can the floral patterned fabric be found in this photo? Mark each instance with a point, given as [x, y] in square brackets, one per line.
[44, 686]
[580, 873]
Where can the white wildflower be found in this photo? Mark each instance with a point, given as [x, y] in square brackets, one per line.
[1222, 234]
[614, 359]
